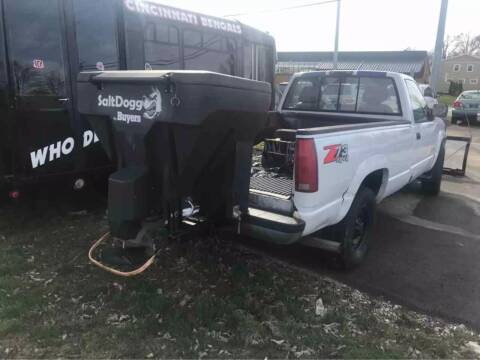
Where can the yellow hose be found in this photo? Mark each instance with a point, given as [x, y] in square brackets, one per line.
[135, 272]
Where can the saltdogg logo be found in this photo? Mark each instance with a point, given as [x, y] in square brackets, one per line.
[150, 106]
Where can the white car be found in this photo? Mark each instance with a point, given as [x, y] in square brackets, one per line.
[350, 151]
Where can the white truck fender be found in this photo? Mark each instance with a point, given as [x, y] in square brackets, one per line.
[368, 166]
[441, 138]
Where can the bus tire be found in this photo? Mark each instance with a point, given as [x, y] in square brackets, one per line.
[432, 182]
[354, 232]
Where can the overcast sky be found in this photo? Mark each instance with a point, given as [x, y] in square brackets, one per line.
[365, 24]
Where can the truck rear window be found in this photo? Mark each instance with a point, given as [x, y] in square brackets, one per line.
[351, 94]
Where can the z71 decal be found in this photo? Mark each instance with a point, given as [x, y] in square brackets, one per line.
[336, 153]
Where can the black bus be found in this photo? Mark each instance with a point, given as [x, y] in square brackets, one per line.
[44, 44]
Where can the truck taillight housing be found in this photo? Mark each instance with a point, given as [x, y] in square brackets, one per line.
[306, 166]
[457, 105]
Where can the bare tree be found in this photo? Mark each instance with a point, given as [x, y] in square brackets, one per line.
[465, 44]
[447, 45]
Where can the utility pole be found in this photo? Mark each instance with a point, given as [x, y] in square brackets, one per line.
[437, 56]
[337, 34]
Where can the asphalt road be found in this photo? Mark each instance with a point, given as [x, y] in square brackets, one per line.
[428, 260]
[425, 253]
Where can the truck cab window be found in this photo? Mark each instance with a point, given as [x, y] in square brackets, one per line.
[303, 95]
[348, 94]
[96, 34]
[162, 49]
[344, 94]
[418, 102]
[36, 47]
[377, 96]
[329, 91]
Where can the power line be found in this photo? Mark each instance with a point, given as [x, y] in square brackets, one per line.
[284, 9]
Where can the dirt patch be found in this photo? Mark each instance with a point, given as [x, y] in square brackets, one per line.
[449, 209]
[202, 298]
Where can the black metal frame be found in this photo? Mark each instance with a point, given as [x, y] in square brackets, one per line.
[462, 171]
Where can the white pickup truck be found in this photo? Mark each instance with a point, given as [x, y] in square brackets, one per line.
[344, 141]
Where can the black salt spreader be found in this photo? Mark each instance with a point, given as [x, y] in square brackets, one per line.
[182, 142]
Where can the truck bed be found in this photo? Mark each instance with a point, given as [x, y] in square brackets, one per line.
[307, 120]
[272, 185]
[270, 188]
[271, 182]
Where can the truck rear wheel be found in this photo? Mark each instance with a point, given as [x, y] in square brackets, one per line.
[354, 232]
[432, 181]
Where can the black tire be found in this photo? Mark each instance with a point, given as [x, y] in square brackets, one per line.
[354, 232]
[432, 181]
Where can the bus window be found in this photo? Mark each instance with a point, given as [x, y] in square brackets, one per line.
[208, 51]
[36, 47]
[264, 64]
[5, 134]
[3, 59]
[215, 42]
[162, 49]
[96, 34]
[248, 61]
[192, 38]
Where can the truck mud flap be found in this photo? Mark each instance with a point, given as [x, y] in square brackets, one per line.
[272, 227]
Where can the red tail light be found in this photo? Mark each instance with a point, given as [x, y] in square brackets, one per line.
[457, 104]
[306, 166]
[14, 194]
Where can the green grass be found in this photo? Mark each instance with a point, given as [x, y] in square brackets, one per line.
[11, 327]
[235, 302]
[446, 99]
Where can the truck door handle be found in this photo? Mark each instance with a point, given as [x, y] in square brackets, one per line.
[419, 136]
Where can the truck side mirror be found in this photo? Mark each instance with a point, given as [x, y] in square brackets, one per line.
[429, 113]
[440, 110]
